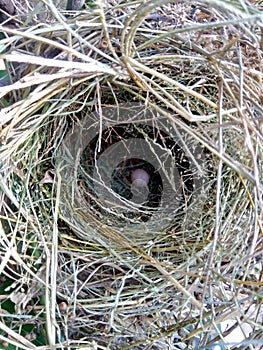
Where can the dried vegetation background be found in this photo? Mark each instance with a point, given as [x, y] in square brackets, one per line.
[71, 277]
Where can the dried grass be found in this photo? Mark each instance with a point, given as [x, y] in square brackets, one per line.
[79, 276]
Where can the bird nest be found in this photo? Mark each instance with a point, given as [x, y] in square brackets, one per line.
[131, 182]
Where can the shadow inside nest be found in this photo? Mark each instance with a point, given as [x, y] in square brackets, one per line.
[121, 182]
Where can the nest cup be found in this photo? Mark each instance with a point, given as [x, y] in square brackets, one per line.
[131, 135]
[170, 88]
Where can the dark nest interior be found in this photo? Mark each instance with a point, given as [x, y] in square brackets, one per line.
[131, 174]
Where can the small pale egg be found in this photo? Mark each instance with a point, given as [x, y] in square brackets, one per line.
[140, 178]
[63, 306]
[5, 344]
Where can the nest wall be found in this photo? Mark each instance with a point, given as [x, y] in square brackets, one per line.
[178, 87]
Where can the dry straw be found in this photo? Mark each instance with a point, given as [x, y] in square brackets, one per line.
[77, 273]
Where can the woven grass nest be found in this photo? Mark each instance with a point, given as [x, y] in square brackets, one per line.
[93, 254]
